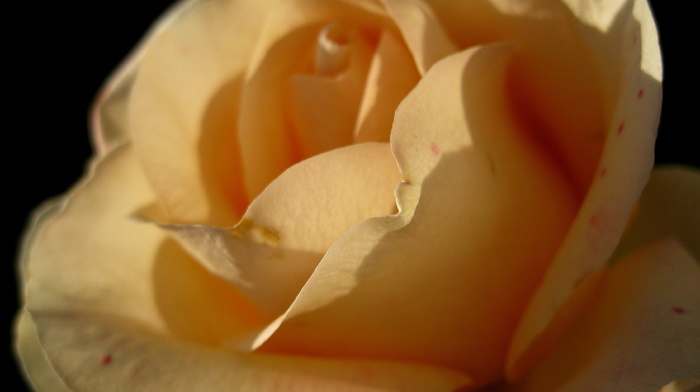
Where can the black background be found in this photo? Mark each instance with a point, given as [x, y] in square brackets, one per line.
[60, 53]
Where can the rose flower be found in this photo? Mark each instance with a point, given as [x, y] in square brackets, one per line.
[360, 195]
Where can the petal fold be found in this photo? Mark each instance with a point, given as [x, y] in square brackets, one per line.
[619, 175]
[639, 331]
[287, 229]
[426, 284]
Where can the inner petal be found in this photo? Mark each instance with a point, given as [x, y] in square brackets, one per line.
[290, 45]
[323, 105]
[333, 50]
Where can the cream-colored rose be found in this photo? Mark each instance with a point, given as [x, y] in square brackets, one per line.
[394, 195]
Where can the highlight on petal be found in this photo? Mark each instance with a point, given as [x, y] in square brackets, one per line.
[426, 284]
[183, 110]
[639, 332]
[391, 77]
[36, 366]
[620, 174]
[287, 229]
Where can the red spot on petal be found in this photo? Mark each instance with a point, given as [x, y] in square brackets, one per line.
[434, 149]
[640, 93]
[603, 172]
[634, 40]
[106, 360]
[620, 128]
[678, 309]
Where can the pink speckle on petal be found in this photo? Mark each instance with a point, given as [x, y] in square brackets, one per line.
[603, 172]
[640, 93]
[106, 360]
[620, 128]
[678, 310]
[434, 149]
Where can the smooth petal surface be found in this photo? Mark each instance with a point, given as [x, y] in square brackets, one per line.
[621, 173]
[287, 229]
[426, 284]
[639, 332]
[93, 354]
[78, 264]
[183, 110]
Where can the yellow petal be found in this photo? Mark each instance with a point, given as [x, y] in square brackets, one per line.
[639, 332]
[621, 172]
[428, 284]
[287, 229]
[94, 354]
[287, 46]
[183, 110]
[90, 258]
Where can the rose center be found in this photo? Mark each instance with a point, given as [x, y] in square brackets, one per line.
[333, 50]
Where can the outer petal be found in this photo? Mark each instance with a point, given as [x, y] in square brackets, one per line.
[391, 77]
[183, 110]
[623, 167]
[287, 229]
[34, 362]
[267, 137]
[669, 207]
[481, 209]
[91, 259]
[93, 354]
[638, 333]
[109, 115]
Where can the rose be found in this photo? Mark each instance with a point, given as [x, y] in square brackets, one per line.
[103, 314]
